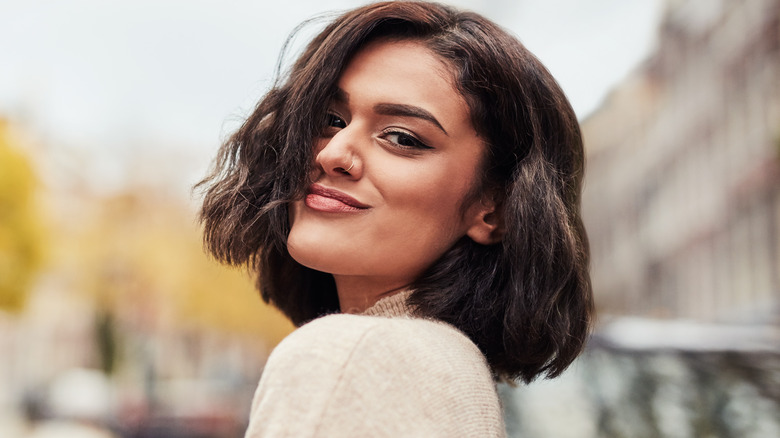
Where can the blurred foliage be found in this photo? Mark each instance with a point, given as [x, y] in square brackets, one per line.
[139, 255]
[21, 240]
[136, 255]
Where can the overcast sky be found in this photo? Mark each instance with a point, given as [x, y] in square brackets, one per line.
[119, 77]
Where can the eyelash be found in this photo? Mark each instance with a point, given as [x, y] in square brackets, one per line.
[416, 143]
[331, 118]
[333, 121]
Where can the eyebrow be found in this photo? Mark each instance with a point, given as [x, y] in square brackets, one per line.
[340, 96]
[394, 109]
[402, 110]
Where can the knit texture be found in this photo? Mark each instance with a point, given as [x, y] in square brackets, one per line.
[380, 374]
[392, 306]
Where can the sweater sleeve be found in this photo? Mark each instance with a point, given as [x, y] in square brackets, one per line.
[347, 375]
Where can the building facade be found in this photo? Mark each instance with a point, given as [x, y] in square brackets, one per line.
[682, 187]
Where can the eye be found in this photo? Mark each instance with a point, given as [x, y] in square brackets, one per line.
[332, 124]
[404, 139]
[334, 121]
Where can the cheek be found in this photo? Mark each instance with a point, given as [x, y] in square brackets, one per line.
[427, 207]
[435, 191]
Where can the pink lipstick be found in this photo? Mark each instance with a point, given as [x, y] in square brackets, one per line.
[329, 200]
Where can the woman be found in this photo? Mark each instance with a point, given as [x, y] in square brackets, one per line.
[409, 192]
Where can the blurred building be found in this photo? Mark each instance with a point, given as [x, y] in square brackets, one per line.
[682, 193]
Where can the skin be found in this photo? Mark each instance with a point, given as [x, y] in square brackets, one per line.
[405, 135]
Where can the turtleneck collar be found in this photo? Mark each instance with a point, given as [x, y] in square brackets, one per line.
[391, 306]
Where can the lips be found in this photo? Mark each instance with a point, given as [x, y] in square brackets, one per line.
[329, 200]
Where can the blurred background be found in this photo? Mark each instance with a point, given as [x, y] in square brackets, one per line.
[114, 324]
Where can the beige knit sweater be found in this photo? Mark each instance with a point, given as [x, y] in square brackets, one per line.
[379, 374]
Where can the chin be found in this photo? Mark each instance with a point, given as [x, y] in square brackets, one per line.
[313, 254]
[333, 260]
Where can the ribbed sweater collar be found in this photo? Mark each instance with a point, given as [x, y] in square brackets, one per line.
[391, 306]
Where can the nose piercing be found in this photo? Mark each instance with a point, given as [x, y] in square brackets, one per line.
[351, 165]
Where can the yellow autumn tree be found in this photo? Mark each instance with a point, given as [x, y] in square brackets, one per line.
[20, 227]
[145, 251]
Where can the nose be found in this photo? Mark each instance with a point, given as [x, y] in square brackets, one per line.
[339, 155]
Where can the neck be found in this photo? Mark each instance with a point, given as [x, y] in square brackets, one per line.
[356, 294]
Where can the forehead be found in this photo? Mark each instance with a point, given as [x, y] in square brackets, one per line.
[405, 57]
[405, 72]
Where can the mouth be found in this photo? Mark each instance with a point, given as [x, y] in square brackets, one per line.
[329, 200]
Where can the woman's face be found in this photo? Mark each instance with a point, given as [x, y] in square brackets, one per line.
[392, 172]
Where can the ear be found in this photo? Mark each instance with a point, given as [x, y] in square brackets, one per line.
[486, 223]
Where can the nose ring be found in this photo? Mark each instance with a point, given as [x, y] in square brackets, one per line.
[352, 164]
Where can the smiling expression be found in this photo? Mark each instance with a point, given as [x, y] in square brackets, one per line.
[393, 169]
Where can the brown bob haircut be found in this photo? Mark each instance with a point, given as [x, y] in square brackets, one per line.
[526, 301]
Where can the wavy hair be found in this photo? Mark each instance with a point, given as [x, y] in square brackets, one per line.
[526, 301]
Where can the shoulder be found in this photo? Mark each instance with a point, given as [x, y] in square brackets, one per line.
[384, 339]
[389, 373]
[413, 332]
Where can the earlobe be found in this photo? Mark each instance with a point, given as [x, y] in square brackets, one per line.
[487, 227]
